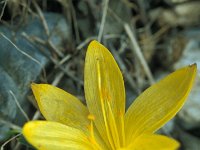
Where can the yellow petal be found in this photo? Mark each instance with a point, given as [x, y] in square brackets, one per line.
[104, 91]
[159, 103]
[60, 106]
[46, 135]
[154, 142]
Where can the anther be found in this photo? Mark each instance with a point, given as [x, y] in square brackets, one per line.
[91, 117]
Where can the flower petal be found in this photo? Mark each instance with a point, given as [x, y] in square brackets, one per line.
[155, 142]
[159, 103]
[46, 135]
[60, 106]
[105, 93]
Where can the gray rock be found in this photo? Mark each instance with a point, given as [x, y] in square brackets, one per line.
[190, 114]
[17, 70]
[188, 141]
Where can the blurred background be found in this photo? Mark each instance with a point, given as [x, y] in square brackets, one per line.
[45, 41]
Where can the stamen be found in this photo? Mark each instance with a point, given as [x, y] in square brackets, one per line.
[91, 130]
[103, 105]
[91, 117]
[121, 117]
[113, 128]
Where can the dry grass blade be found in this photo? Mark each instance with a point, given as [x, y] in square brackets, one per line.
[27, 55]
[103, 20]
[3, 9]
[19, 106]
[59, 53]
[9, 140]
[10, 125]
[136, 49]
[124, 69]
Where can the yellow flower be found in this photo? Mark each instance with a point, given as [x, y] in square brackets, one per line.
[103, 124]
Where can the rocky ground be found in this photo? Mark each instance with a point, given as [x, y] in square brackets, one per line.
[45, 41]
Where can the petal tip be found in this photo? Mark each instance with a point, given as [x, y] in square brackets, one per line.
[27, 128]
[194, 65]
[94, 43]
[34, 86]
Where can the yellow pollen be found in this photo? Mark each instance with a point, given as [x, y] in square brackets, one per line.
[106, 95]
[91, 117]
